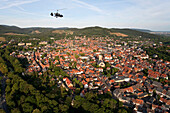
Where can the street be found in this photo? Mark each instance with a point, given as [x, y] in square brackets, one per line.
[3, 100]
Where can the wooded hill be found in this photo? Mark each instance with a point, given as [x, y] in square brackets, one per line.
[88, 31]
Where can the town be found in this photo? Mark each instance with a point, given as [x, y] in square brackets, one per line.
[102, 65]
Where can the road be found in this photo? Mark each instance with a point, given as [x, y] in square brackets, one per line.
[3, 100]
[37, 62]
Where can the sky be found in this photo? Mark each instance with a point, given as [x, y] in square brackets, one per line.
[142, 14]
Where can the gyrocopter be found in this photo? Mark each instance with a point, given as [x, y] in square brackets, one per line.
[57, 14]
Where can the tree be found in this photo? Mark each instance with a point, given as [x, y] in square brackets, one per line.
[63, 108]
[3, 68]
[68, 100]
[44, 107]
[36, 111]
[112, 104]
[89, 95]
[8, 81]
[94, 50]
[78, 101]
[7, 89]
[77, 91]
[108, 111]
[100, 110]
[15, 87]
[76, 56]
[30, 99]
[108, 75]
[114, 70]
[15, 110]
[1, 60]
[120, 104]
[44, 55]
[22, 100]
[27, 108]
[57, 58]
[107, 65]
[2, 111]
[55, 109]
[11, 104]
[86, 105]
[145, 72]
[68, 53]
[54, 103]
[93, 108]
[122, 111]
[158, 97]
[82, 54]
[106, 103]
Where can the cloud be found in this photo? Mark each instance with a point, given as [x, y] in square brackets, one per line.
[89, 6]
[20, 9]
[17, 3]
[23, 11]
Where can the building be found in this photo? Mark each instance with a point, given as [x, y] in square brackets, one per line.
[28, 44]
[21, 44]
[43, 42]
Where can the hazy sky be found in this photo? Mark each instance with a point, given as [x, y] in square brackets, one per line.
[147, 14]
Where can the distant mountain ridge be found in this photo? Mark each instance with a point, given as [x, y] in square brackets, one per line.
[88, 31]
[142, 30]
[60, 28]
[166, 33]
[15, 29]
[6, 28]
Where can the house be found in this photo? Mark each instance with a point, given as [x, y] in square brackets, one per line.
[21, 44]
[84, 57]
[86, 85]
[82, 94]
[164, 76]
[43, 42]
[143, 95]
[157, 84]
[28, 44]
[138, 102]
[129, 89]
[100, 92]
[65, 66]
[108, 57]
[100, 69]
[121, 79]
[163, 100]
[68, 82]
[159, 90]
[111, 81]
[168, 103]
[154, 106]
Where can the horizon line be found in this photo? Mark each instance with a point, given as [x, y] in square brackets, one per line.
[85, 27]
